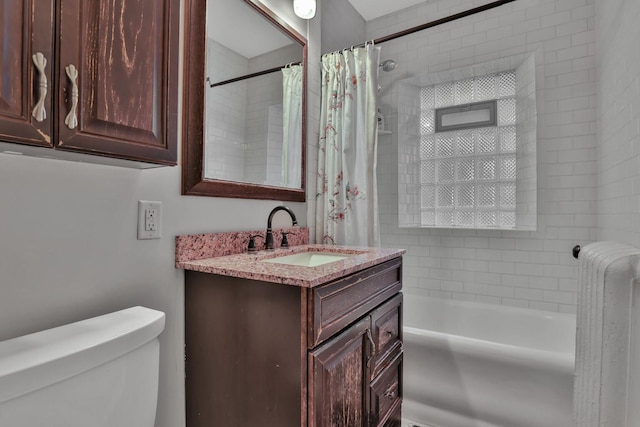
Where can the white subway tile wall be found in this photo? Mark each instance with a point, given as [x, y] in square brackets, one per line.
[226, 114]
[275, 139]
[618, 63]
[522, 268]
[262, 93]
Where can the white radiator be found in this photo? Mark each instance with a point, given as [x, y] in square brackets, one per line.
[605, 389]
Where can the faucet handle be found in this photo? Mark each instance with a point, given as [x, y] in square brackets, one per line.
[285, 242]
[252, 243]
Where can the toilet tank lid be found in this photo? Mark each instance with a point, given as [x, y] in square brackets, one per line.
[43, 358]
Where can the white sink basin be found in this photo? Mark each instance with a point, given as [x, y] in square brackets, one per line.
[309, 259]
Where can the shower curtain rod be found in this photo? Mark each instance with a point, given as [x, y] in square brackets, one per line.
[437, 22]
[248, 76]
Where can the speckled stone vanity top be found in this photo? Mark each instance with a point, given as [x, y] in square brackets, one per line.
[252, 265]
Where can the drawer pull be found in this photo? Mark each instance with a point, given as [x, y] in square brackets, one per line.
[370, 338]
[390, 394]
[39, 111]
[72, 120]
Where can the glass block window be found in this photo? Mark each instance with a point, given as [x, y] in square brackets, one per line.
[468, 176]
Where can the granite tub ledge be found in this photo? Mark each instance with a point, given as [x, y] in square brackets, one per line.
[250, 265]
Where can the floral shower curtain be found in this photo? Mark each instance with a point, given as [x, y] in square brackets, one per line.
[347, 202]
[292, 126]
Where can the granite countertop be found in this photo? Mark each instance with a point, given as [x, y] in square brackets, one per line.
[252, 265]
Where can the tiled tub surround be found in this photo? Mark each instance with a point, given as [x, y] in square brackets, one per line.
[532, 269]
[226, 254]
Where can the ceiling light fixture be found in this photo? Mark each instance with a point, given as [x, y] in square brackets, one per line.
[305, 9]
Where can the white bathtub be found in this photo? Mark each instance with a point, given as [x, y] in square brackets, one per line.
[469, 364]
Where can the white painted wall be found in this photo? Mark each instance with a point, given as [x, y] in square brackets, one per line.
[532, 269]
[342, 26]
[69, 250]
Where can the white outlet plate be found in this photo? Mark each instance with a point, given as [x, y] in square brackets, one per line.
[149, 220]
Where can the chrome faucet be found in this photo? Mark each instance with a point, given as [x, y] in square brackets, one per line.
[268, 241]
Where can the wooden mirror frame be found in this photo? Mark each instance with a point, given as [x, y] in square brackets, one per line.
[193, 181]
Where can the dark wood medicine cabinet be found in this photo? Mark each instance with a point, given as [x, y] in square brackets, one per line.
[194, 181]
[90, 77]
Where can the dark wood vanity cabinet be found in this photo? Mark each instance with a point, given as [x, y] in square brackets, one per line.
[91, 76]
[268, 354]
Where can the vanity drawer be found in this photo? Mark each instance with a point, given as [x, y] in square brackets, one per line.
[333, 306]
[386, 394]
[386, 329]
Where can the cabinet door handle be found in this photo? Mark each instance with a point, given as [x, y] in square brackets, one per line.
[373, 347]
[72, 73]
[39, 111]
[370, 338]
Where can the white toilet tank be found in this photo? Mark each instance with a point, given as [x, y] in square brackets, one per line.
[99, 372]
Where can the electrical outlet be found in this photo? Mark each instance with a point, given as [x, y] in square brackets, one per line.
[150, 216]
[149, 220]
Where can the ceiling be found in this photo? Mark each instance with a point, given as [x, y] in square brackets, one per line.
[242, 29]
[372, 9]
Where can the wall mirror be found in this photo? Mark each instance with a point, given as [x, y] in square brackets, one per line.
[244, 103]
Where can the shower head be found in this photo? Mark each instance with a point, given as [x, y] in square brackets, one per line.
[388, 65]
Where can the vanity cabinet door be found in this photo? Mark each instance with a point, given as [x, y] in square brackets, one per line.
[26, 28]
[117, 78]
[339, 380]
